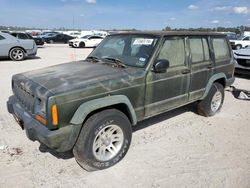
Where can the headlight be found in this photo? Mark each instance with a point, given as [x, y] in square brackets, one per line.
[40, 107]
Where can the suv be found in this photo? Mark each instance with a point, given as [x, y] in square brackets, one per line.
[90, 106]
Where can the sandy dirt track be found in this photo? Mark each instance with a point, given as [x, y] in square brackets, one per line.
[175, 149]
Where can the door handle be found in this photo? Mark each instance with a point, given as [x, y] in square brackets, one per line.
[185, 71]
[210, 66]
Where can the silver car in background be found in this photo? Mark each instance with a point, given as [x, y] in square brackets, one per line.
[16, 49]
[242, 57]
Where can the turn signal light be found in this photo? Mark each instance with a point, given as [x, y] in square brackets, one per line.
[54, 115]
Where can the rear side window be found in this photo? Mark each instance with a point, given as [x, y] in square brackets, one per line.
[221, 49]
[199, 49]
[22, 36]
[173, 50]
[1, 37]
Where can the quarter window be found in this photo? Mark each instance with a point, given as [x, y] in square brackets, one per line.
[221, 50]
[173, 50]
[22, 36]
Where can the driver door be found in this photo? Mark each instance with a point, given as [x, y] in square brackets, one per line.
[167, 90]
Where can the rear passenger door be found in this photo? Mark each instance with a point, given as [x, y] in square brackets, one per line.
[169, 89]
[201, 66]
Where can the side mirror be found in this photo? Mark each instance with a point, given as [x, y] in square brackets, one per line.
[161, 66]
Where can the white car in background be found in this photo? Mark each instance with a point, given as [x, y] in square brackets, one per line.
[240, 43]
[86, 41]
[16, 49]
[242, 58]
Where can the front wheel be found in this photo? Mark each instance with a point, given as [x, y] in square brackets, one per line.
[17, 54]
[238, 47]
[104, 140]
[212, 103]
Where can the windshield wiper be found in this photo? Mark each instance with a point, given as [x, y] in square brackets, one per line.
[117, 61]
[93, 58]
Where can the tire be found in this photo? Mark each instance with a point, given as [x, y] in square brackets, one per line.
[17, 54]
[213, 102]
[238, 46]
[94, 148]
[81, 45]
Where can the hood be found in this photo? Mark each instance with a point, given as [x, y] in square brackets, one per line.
[243, 51]
[78, 75]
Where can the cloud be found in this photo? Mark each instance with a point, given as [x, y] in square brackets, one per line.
[222, 8]
[91, 1]
[241, 10]
[214, 21]
[193, 7]
[172, 19]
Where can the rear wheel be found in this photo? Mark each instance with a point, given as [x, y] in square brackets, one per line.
[104, 140]
[213, 102]
[17, 54]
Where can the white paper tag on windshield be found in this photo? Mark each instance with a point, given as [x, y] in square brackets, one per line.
[142, 41]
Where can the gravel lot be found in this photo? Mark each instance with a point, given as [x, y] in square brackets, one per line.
[175, 149]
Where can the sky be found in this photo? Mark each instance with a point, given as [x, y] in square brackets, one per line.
[124, 14]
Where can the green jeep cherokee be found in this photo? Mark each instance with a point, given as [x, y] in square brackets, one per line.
[90, 106]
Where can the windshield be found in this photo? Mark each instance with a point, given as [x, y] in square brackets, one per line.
[132, 49]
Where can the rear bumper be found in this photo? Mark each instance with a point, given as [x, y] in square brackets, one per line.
[230, 81]
[62, 139]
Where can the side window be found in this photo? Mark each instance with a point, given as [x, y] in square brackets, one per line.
[199, 49]
[22, 36]
[221, 50]
[1, 37]
[173, 50]
[246, 38]
[196, 49]
[14, 34]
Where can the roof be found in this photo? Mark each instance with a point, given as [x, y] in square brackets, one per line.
[171, 33]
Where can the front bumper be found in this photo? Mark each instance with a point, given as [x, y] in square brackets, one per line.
[62, 139]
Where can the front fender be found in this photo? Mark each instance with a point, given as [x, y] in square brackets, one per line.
[90, 106]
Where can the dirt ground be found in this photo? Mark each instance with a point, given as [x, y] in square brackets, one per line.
[175, 149]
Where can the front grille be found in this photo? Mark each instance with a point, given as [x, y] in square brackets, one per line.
[244, 62]
[24, 97]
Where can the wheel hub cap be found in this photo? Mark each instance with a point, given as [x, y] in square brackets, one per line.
[108, 142]
[216, 101]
